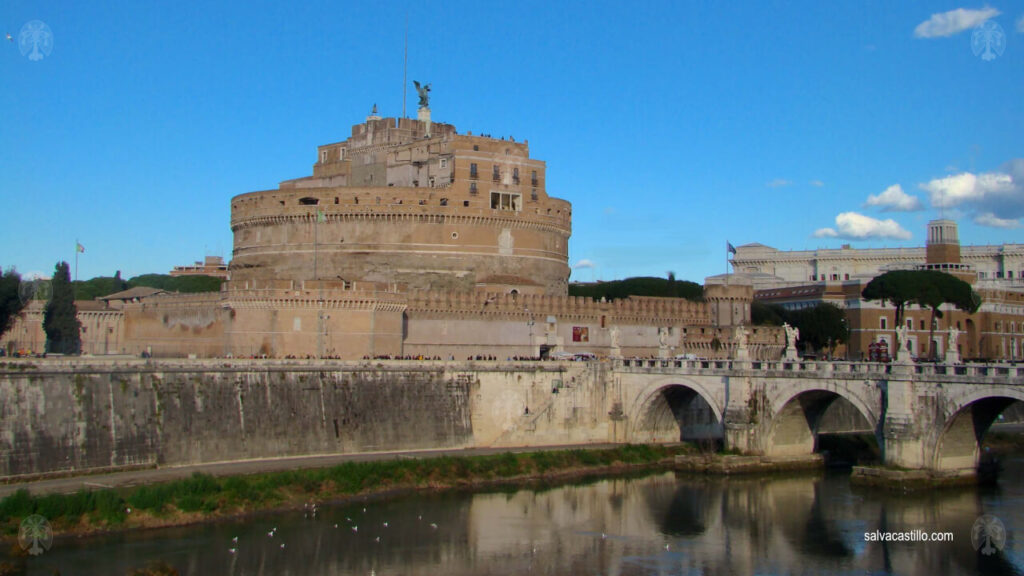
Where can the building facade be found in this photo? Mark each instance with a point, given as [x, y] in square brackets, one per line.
[410, 239]
[995, 331]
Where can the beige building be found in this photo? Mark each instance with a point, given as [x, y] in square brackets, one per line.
[411, 239]
[210, 266]
[995, 331]
[994, 266]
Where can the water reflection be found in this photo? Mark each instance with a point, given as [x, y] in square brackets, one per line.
[660, 524]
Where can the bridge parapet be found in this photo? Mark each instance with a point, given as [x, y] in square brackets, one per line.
[962, 373]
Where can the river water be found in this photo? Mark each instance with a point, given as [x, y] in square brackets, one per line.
[664, 523]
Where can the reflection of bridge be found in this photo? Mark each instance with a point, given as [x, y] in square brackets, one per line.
[923, 416]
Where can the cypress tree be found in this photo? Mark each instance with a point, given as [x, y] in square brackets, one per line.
[60, 318]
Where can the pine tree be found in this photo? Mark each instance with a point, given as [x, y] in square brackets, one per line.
[60, 318]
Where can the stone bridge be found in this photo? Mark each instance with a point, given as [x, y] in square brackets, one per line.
[83, 414]
[922, 416]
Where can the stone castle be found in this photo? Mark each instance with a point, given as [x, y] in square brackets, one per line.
[410, 239]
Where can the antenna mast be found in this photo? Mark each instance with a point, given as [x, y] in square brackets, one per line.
[405, 63]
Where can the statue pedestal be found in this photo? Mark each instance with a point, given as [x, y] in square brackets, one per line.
[952, 356]
[423, 115]
[790, 354]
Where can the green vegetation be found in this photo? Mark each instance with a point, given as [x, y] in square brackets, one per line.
[926, 288]
[60, 320]
[640, 286]
[185, 284]
[821, 328]
[10, 300]
[99, 286]
[209, 495]
[105, 285]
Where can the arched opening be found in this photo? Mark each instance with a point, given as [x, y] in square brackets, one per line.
[826, 422]
[678, 413]
[309, 201]
[959, 445]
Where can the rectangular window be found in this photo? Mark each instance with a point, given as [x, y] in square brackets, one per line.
[444, 162]
[846, 277]
[922, 324]
[472, 170]
[496, 174]
[881, 323]
[472, 188]
[506, 201]
[515, 175]
[910, 324]
[323, 157]
[533, 178]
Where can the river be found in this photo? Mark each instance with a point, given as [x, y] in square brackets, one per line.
[663, 523]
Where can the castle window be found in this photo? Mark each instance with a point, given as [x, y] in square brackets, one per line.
[506, 201]
[910, 324]
[495, 173]
[309, 201]
[323, 156]
[922, 324]
[472, 170]
[882, 323]
[341, 153]
[444, 201]
[444, 162]
[476, 148]
[533, 178]
[846, 277]
[533, 195]
[472, 188]
[515, 175]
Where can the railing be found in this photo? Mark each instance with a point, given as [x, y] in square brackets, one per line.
[865, 369]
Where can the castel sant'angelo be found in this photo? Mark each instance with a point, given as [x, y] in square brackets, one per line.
[411, 239]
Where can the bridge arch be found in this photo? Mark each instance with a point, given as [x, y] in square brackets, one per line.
[958, 444]
[798, 416]
[676, 409]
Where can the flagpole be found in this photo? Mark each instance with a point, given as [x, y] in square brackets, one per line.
[76, 259]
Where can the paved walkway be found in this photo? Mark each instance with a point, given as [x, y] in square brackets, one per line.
[70, 484]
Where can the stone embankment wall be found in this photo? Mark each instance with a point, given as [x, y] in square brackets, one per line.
[60, 416]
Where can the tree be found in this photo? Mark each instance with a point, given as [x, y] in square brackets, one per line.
[60, 318]
[925, 288]
[822, 327]
[638, 286]
[11, 303]
[897, 287]
[938, 288]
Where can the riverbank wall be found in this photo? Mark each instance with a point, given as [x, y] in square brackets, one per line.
[73, 417]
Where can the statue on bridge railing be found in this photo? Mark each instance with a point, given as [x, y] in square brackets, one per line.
[792, 334]
[902, 353]
[952, 349]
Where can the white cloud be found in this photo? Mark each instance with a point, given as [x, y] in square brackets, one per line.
[894, 199]
[584, 263]
[779, 183]
[999, 194]
[854, 226]
[991, 220]
[816, 183]
[953, 22]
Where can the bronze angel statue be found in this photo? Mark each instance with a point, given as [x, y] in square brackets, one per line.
[424, 92]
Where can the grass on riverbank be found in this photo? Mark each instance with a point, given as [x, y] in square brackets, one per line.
[203, 495]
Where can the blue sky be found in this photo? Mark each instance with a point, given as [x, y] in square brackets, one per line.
[671, 127]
